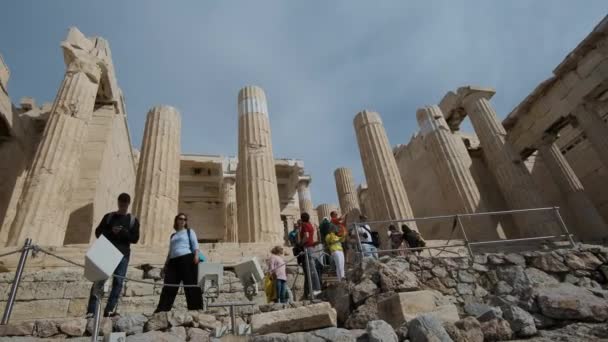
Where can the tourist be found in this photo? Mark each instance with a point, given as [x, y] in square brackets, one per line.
[307, 241]
[181, 266]
[122, 229]
[334, 243]
[368, 247]
[412, 238]
[278, 271]
[294, 233]
[339, 223]
[396, 239]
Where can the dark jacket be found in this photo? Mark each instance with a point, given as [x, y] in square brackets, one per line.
[127, 235]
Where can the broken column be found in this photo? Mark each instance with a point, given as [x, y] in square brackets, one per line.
[157, 183]
[323, 210]
[590, 225]
[587, 118]
[453, 164]
[230, 209]
[388, 196]
[347, 193]
[259, 214]
[43, 209]
[305, 199]
[512, 177]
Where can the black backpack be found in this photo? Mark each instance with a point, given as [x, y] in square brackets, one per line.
[375, 237]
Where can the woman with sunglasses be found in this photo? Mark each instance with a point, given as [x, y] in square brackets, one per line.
[181, 266]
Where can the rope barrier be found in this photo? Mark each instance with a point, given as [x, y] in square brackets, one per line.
[11, 253]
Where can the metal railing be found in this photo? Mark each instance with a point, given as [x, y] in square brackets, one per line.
[458, 224]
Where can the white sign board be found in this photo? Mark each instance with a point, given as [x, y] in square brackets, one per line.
[247, 268]
[101, 260]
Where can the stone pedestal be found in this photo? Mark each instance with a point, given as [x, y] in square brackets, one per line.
[388, 196]
[512, 177]
[43, 209]
[305, 200]
[323, 210]
[230, 210]
[347, 193]
[589, 121]
[157, 184]
[259, 214]
[590, 225]
[453, 165]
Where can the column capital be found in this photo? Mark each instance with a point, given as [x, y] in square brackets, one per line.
[453, 103]
[229, 179]
[471, 94]
[304, 181]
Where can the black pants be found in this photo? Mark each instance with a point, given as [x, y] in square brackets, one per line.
[181, 269]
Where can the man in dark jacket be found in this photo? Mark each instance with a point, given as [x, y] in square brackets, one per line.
[122, 229]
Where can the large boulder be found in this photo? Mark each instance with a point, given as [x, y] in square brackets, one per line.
[74, 327]
[365, 289]
[131, 324]
[521, 322]
[404, 306]
[158, 321]
[427, 328]
[496, 330]
[392, 280]
[304, 318]
[380, 331]
[515, 276]
[565, 301]
[582, 261]
[338, 295]
[549, 262]
[336, 334]
[364, 313]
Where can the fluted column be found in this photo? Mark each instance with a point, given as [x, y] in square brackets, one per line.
[324, 209]
[389, 199]
[512, 177]
[345, 187]
[305, 200]
[259, 214]
[157, 184]
[590, 225]
[230, 210]
[43, 209]
[364, 201]
[453, 163]
[589, 121]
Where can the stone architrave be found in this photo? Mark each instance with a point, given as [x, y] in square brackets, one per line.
[44, 206]
[157, 183]
[305, 199]
[590, 225]
[230, 210]
[388, 196]
[589, 121]
[259, 213]
[323, 210]
[453, 163]
[345, 187]
[512, 177]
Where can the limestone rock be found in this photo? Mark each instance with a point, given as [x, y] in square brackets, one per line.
[158, 321]
[491, 314]
[364, 313]
[477, 309]
[156, 336]
[338, 296]
[198, 335]
[46, 328]
[105, 326]
[551, 262]
[380, 331]
[402, 332]
[179, 332]
[521, 322]
[569, 302]
[427, 328]
[539, 278]
[515, 276]
[131, 324]
[74, 327]
[274, 337]
[204, 320]
[515, 259]
[17, 329]
[404, 306]
[390, 280]
[179, 318]
[469, 330]
[497, 329]
[582, 261]
[304, 337]
[310, 317]
[364, 290]
[336, 334]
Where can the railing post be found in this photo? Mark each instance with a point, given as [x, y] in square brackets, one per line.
[356, 231]
[98, 293]
[18, 273]
[233, 320]
[563, 226]
[464, 236]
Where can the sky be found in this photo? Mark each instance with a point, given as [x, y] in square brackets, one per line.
[319, 62]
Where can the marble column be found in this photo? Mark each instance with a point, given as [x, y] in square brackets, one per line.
[588, 119]
[324, 209]
[230, 209]
[388, 196]
[590, 225]
[345, 187]
[453, 165]
[259, 213]
[157, 183]
[43, 209]
[364, 201]
[512, 177]
[305, 199]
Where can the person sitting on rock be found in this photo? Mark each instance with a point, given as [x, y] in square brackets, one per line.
[181, 266]
[122, 229]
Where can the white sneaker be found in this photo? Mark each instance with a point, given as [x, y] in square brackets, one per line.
[316, 293]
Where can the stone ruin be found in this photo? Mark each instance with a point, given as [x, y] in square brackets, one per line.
[551, 150]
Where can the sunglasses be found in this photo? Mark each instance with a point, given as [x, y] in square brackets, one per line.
[182, 219]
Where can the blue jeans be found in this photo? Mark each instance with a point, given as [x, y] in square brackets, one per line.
[281, 290]
[369, 251]
[120, 270]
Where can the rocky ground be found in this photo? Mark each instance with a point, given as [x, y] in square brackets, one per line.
[556, 295]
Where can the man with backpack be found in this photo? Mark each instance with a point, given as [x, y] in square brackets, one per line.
[122, 229]
[370, 240]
